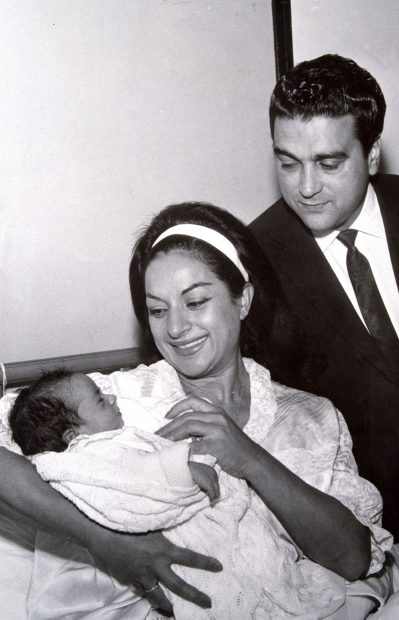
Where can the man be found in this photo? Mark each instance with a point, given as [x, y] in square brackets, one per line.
[326, 118]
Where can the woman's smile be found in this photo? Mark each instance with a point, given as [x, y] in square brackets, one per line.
[189, 347]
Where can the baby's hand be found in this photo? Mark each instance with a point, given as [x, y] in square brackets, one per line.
[206, 478]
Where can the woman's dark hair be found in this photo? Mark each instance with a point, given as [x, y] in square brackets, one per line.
[267, 332]
[331, 86]
[39, 418]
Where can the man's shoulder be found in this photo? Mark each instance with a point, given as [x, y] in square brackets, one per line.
[278, 227]
[386, 186]
[386, 179]
[274, 214]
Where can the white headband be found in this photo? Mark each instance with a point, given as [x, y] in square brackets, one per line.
[209, 236]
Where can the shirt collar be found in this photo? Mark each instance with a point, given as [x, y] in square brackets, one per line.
[369, 221]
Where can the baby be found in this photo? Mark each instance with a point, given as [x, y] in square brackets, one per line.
[62, 406]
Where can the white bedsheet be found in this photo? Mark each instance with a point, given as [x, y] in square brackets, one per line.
[16, 565]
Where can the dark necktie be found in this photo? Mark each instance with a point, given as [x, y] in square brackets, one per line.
[368, 296]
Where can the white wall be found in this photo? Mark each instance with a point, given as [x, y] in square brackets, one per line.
[368, 32]
[109, 110]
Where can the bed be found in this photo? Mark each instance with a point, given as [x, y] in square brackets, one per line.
[18, 536]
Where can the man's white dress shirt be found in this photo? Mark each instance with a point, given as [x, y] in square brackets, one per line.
[371, 241]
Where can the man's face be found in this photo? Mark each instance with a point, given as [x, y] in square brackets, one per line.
[322, 171]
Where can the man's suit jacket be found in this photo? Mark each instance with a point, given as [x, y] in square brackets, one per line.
[350, 368]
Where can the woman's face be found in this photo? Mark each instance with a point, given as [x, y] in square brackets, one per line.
[194, 321]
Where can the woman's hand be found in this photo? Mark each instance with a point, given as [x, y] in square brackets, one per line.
[215, 431]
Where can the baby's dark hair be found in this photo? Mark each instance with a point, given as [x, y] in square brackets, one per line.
[40, 418]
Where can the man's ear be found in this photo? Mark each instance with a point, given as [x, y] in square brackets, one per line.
[246, 300]
[374, 157]
[68, 435]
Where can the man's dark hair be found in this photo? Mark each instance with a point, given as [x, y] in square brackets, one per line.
[331, 86]
[39, 417]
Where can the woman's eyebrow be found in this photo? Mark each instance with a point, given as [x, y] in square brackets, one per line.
[195, 285]
[184, 291]
[151, 296]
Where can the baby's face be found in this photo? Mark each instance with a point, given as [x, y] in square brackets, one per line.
[97, 411]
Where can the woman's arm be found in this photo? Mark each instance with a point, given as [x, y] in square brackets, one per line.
[139, 560]
[324, 529]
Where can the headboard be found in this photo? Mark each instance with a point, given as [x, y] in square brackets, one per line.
[22, 373]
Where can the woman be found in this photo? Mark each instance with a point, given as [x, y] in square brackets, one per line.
[204, 293]
[199, 299]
